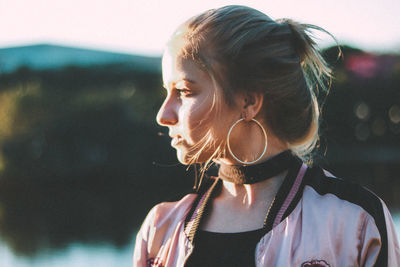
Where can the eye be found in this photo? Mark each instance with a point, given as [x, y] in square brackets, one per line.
[183, 92]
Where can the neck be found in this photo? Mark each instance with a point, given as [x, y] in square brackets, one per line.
[258, 172]
[246, 185]
[246, 195]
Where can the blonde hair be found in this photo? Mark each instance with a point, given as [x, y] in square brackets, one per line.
[244, 50]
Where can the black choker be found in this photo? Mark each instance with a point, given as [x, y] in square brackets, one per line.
[258, 172]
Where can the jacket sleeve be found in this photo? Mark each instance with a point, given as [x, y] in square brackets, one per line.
[379, 243]
[393, 249]
[142, 244]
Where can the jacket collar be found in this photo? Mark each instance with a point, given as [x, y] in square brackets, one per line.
[285, 200]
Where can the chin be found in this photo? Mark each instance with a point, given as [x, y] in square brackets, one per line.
[185, 158]
[182, 157]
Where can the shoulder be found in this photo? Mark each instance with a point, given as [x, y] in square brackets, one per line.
[342, 204]
[162, 220]
[160, 224]
[344, 194]
[171, 214]
[165, 212]
[348, 205]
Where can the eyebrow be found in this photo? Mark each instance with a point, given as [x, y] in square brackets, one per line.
[187, 80]
[183, 79]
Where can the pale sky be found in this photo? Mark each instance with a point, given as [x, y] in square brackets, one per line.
[143, 26]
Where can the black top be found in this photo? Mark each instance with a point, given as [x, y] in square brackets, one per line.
[225, 249]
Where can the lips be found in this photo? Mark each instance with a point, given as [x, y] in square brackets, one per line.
[175, 140]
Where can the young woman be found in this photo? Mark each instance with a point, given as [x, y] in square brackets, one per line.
[240, 94]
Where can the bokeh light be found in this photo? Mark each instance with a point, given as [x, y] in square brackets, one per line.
[394, 114]
[362, 111]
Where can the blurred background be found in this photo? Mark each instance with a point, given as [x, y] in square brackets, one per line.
[81, 157]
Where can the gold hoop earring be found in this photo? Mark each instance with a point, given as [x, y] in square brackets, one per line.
[229, 147]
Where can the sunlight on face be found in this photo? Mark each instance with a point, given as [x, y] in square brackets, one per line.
[188, 110]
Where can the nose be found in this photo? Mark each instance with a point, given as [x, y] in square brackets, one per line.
[167, 114]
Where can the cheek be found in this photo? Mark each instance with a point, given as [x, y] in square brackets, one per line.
[197, 117]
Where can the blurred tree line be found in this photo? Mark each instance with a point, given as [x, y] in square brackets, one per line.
[82, 159]
[81, 156]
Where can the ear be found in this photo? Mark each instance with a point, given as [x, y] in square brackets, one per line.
[250, 104]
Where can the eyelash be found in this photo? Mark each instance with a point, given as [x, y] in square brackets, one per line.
[183, 92]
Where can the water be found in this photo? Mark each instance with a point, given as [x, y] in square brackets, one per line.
[76, 255]
[79, 255]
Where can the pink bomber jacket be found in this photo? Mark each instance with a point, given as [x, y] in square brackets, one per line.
[315, 220]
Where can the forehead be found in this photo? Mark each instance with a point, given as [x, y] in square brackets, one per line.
[176, 68]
